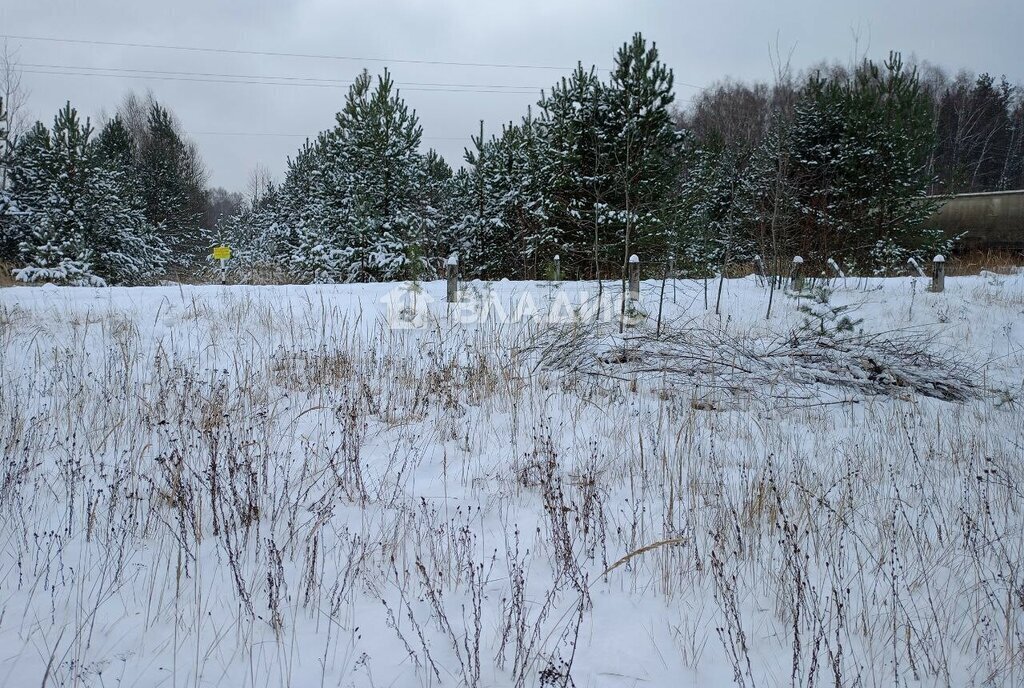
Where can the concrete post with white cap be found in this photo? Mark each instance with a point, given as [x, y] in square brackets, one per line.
[558, 268]
[452, 273]
[938, 273]
[634, 277]
[796, 275]
[672, 274]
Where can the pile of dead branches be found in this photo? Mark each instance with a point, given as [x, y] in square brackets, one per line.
[798, 364]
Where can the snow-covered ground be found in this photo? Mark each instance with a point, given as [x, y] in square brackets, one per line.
[266, 486]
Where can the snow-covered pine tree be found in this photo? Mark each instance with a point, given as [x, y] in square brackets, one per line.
[49, 180]
[646, 148]
[375, 169]
[483, 240]
[438, 214]
[599, 160]
[770, 189]
[82, 220]
[577, 172]
[306, 235]
[255, 236]
[523, 151]
[504, 230]
[718, 198]
[860, 151]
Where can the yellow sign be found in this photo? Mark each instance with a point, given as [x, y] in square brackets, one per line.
[221, 252]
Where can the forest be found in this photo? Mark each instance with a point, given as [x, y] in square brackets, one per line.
[835, 163]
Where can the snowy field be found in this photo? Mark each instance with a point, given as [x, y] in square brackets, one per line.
[271, 486]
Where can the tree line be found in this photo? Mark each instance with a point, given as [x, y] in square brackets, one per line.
[120, 204]
[838, 163]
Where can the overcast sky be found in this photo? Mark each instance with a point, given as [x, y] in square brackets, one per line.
[241, 126]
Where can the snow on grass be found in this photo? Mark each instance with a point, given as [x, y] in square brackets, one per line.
[272, 486]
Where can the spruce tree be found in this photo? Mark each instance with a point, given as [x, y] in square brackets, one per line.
[127, 246]
[169, 190]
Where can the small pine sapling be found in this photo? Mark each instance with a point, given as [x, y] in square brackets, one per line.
[824, 319]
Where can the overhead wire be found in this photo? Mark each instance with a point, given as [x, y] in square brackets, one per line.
[69, 72]
[272, 53]
[275, 53]
[262, 78]
[279, 80]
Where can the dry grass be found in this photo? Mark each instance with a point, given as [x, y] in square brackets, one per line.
[280, 492]
[6, 279]
[1004, 262]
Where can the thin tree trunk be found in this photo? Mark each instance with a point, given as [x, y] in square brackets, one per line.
[661, 301]
[721, 282]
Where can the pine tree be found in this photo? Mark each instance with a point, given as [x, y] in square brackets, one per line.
[49, 182]
[361, 202]
[255, 233]
[719, 197]
[860, 147]
[375, 169]
[82, 221]
[599, 168]
[577, 168]
[438, 215]
[646, 148]
[771, 194]
[483, 239]
[521, 156]
[504, 227]
[306, 235]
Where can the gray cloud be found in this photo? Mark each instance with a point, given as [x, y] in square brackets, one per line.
[702, 42]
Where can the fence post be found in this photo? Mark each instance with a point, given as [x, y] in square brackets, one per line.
[938, 273]
[672, 273]
[796, 276]
[634, 277]
[759, 270]
[558, 268]
[452, 272]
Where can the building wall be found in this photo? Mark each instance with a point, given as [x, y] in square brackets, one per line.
[991, 220]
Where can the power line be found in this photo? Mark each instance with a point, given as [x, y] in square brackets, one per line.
[270, 53]
[255, 82]
[314, 80]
